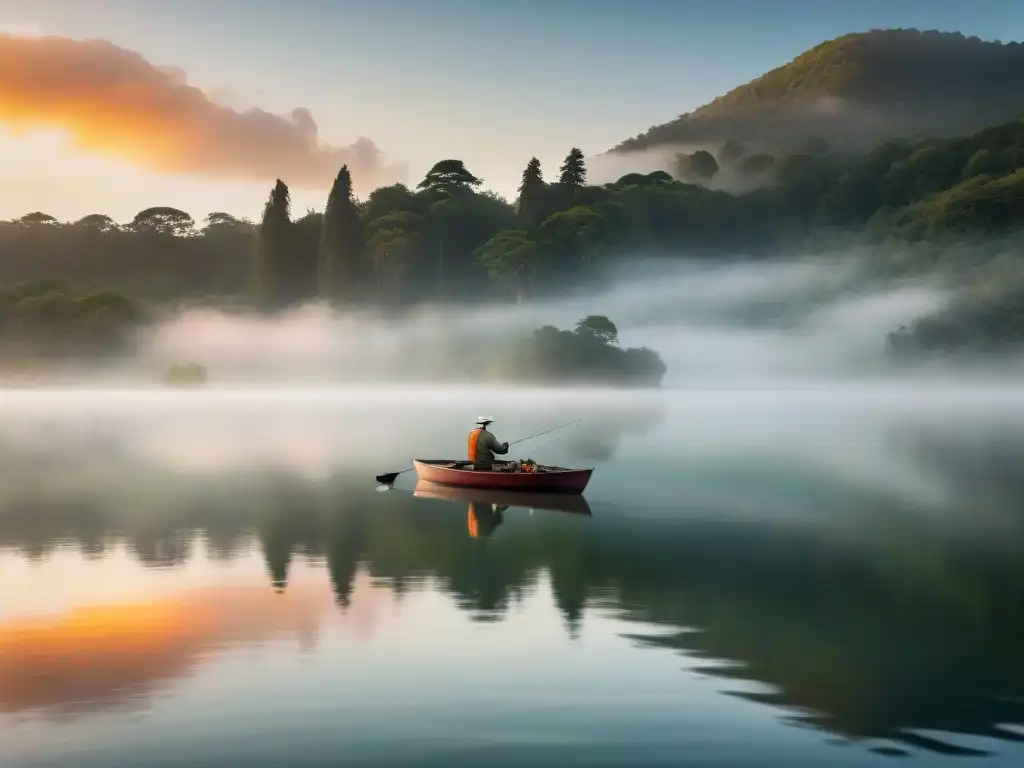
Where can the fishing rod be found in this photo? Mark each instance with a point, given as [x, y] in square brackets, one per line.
[544, 445]
[546, 431]
[388, 478]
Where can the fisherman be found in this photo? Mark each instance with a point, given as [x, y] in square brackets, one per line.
[483, 445]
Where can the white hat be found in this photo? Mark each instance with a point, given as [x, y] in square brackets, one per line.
[484, 420]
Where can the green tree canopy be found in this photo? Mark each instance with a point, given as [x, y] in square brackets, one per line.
[599, 326]
[166, 221]
[701, 165]
[218, 220]
[384, 200]
[449, 176]
[37, 218]
[573, 172]
[531, 195]
[96, 222]
[510, 256]
[588, 354]
[393, 251]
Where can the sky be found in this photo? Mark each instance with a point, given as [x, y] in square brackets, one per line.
[200, 105]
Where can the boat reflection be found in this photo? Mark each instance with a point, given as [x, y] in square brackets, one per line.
[499, 500]
[487, 506]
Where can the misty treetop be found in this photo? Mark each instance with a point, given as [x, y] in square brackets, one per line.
[47, 320]
[588, 354]
[976, 323]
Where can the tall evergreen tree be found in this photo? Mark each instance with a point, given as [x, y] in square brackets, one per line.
[531, 195]
[574, 169]
[341, 242]
[273, 241]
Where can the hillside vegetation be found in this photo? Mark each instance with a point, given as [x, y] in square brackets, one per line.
[861, 89]
[949, 207]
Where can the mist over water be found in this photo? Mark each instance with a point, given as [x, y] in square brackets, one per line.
[769, 364]
[704, 446]
[219, 561]
[772, 368]
[813, 537]
[725, 322]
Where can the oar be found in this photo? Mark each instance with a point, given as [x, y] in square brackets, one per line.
[390, 477]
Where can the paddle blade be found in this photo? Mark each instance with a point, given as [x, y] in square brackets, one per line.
[388, 479]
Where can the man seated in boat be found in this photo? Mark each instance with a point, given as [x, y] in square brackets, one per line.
[483, 445]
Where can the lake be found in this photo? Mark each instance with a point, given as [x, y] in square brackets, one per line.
[797, 575]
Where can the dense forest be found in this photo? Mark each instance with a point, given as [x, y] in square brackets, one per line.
[448, 240]
[948, 206]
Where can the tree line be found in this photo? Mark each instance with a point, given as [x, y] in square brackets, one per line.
[449, 239]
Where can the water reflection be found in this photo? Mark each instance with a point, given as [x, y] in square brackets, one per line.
[97, 657]
[486, 507]
[890, 625]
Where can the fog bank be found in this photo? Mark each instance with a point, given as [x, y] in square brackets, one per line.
[726, 322]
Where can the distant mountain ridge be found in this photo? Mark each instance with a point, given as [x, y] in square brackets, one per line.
[861, 89]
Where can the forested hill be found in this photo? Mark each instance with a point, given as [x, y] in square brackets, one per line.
[859, 90]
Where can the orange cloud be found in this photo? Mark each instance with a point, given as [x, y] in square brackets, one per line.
[114, 102]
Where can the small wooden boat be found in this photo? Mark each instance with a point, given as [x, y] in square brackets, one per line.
[502, 476]
[554, 502]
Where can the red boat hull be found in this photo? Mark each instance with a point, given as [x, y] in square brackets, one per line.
[458, 474]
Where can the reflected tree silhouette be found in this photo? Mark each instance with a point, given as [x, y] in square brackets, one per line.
[881, 627]
[163, 548]
[345, 543]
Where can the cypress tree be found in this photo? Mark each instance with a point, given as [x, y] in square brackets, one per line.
[273, 242]
[531, 195]
[340, 249]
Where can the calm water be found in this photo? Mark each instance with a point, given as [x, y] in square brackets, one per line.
[817, 576]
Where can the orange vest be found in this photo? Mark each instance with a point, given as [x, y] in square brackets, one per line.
[473, 437]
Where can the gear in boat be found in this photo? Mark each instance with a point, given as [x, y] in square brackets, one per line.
[523, 465]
